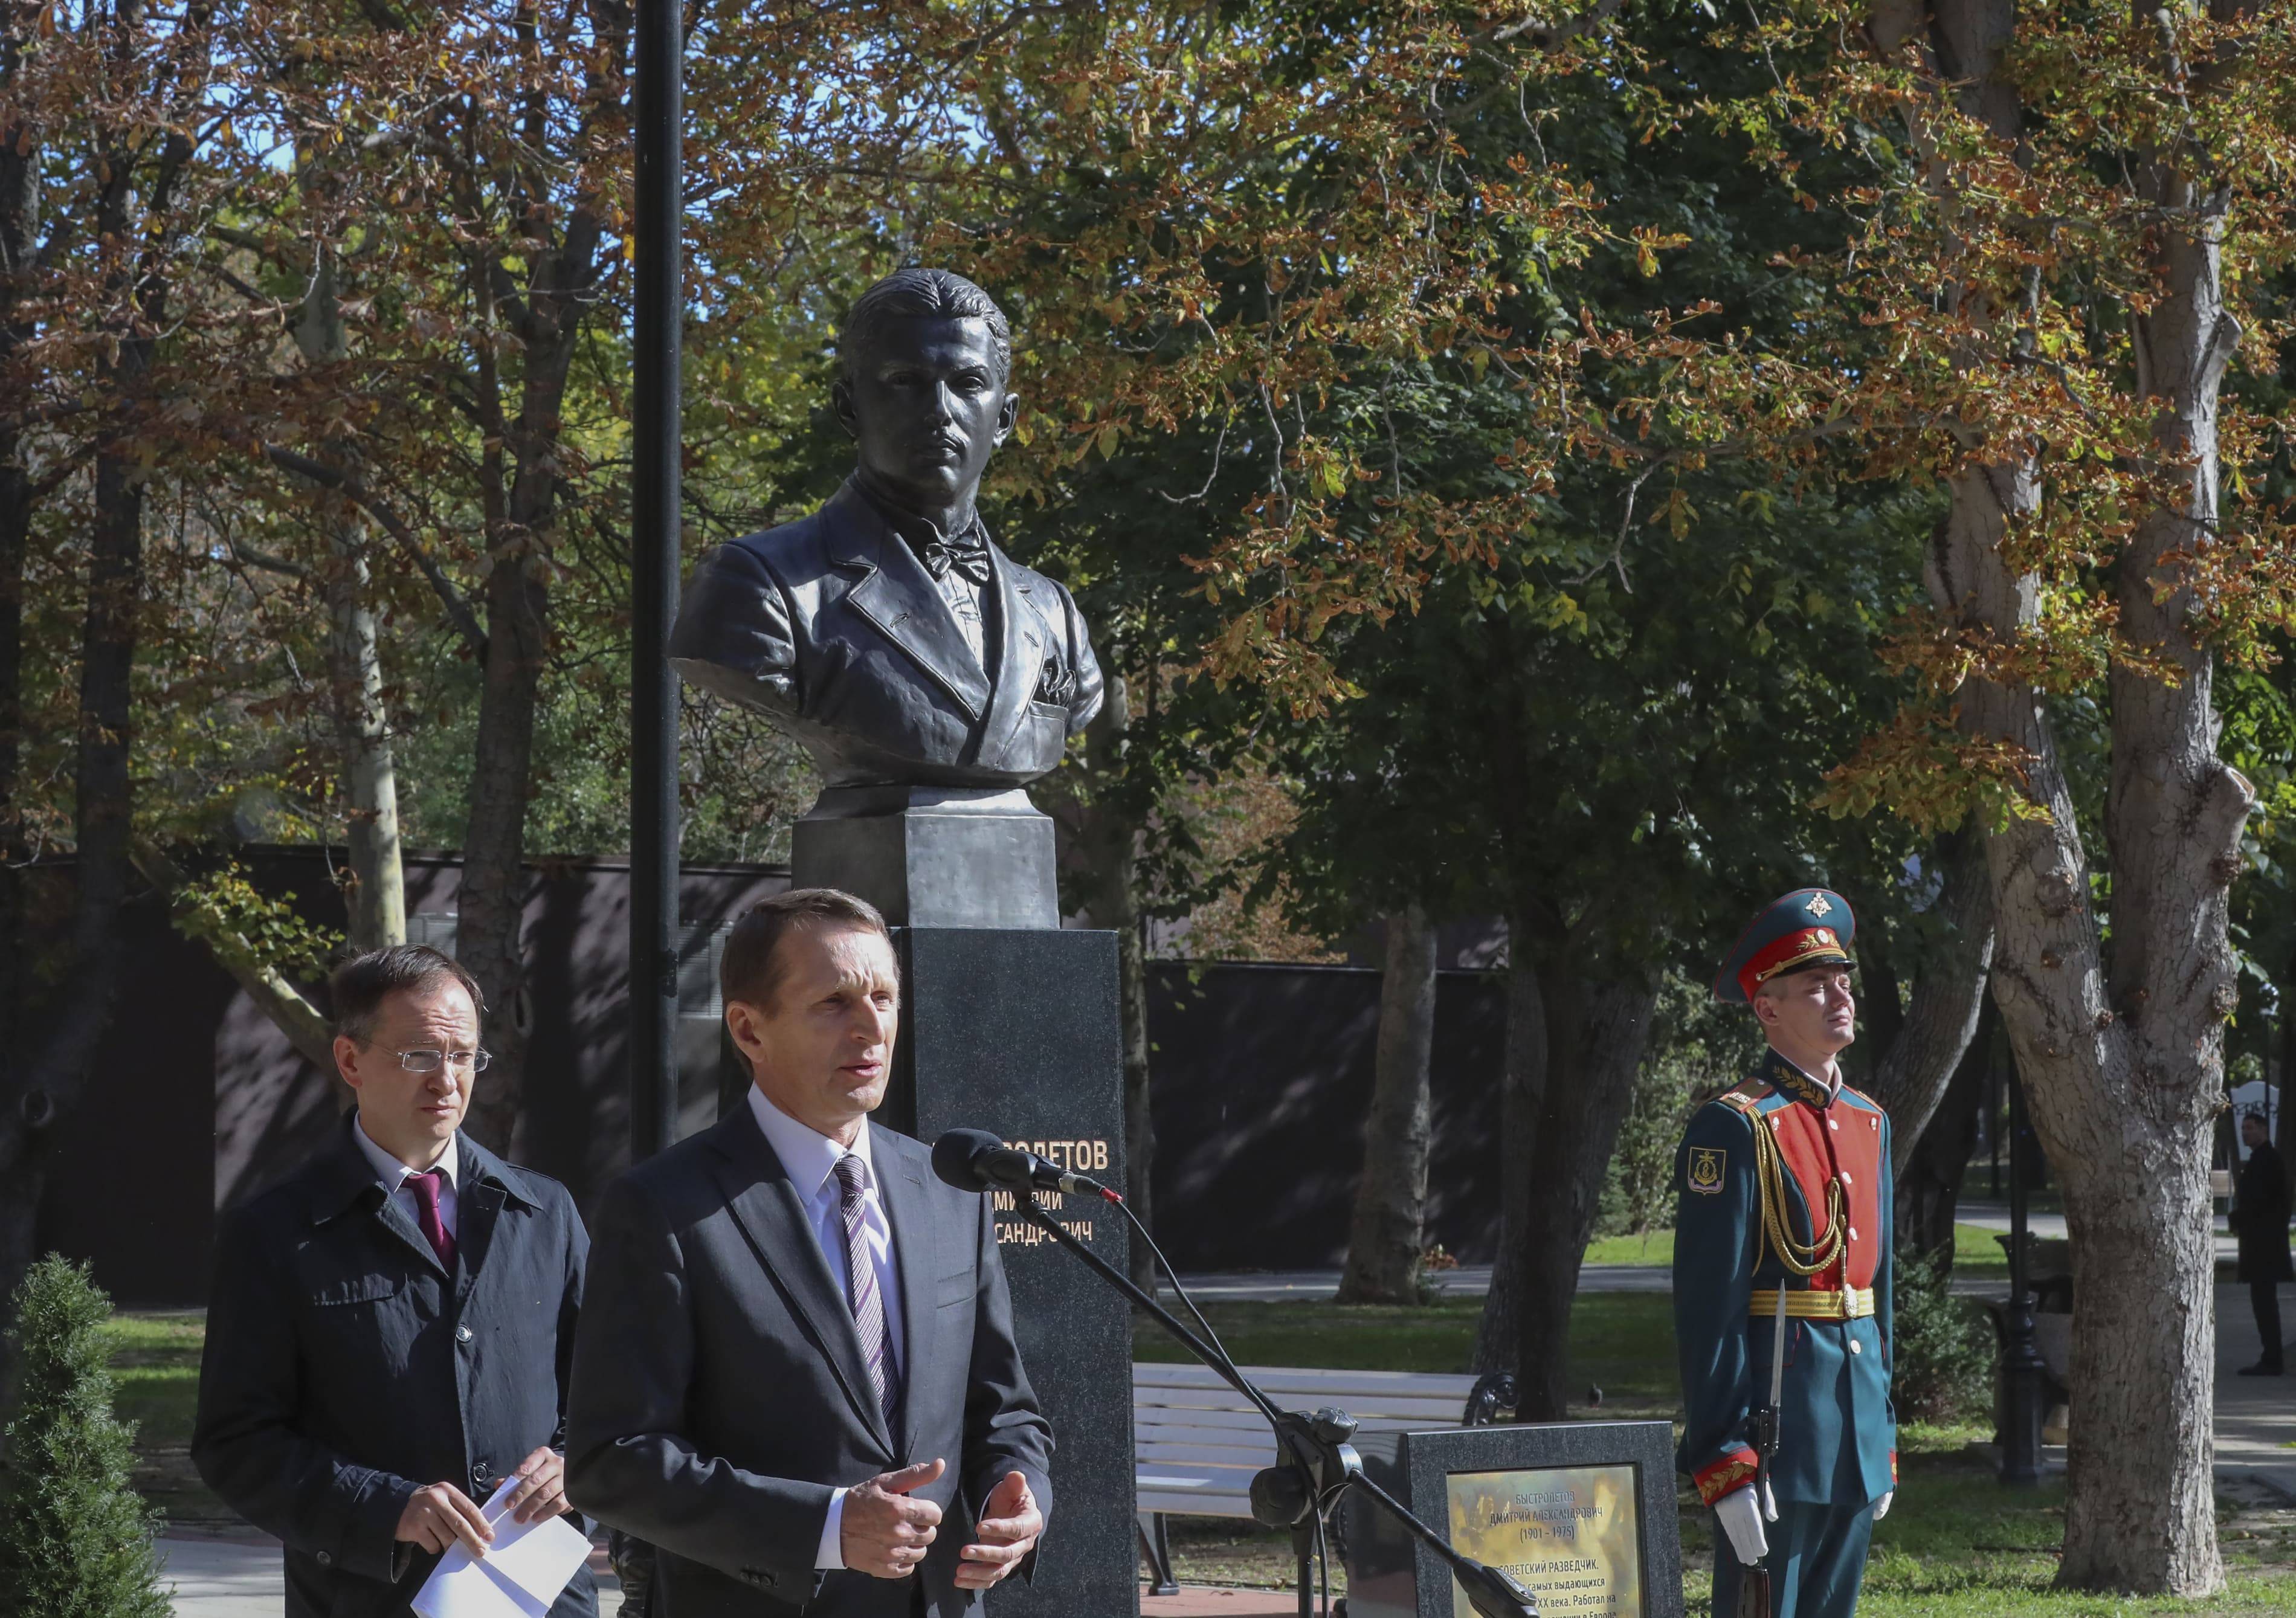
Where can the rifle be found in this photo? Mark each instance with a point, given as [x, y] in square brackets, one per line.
[1754, 1581]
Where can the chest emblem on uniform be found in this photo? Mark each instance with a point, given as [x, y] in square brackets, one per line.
[1817, 905]
[1705, 1174]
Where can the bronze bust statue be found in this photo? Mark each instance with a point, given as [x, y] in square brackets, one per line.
[886, 631]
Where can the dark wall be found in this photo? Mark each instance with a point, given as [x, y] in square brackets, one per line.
[196, 1101]
[1263, 1077]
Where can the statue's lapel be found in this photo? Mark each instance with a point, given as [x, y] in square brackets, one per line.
[899, 597]
[1020, 637]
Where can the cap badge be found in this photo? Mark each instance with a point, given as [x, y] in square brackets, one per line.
[1817, 905]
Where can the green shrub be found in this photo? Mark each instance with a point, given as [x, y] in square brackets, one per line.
[75, 1541]
[1941, 1359]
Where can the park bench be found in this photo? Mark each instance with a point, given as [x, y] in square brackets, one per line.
[1197, 1441]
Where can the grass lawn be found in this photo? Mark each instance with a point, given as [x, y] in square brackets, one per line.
[1975, 1252]
[157, 1365]
[1956, 1542]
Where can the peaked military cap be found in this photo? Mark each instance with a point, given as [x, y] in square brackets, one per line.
[1809, 927]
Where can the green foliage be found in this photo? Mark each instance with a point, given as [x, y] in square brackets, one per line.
[1697, 1047]
[75, 1541]
[225, 909]
[1941, 1361]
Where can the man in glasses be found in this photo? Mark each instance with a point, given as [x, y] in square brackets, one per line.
[390, 1327]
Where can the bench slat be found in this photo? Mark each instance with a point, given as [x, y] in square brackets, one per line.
[1205, 1422]
[1271, 1378]
[1198, 1443]
[1437, 1412]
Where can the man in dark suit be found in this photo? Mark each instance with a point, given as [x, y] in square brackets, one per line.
[797, 1377]
[886, 631]
[2260, 1218]
[390, 1327]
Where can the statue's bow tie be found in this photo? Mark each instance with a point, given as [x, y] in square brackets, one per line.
[968, 553]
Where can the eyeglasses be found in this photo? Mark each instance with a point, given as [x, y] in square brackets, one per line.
[428, 1061]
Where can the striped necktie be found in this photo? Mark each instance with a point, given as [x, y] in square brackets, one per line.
[868, 1300]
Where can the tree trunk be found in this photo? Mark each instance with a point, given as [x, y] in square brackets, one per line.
[2124, 1074]
[1930, 1167]
[47, 1086]
[1596, 1034]
[1941, 1015]
[377, 896]
[20, 172]
[1388, 1236]
[489, 934]
[1522, 1081]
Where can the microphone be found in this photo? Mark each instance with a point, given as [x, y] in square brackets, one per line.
[975, 1160]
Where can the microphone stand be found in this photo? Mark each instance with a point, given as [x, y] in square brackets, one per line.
[1323, 1465]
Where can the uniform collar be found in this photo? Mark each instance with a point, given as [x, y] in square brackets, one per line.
[808, 1157]
[1783, 1076]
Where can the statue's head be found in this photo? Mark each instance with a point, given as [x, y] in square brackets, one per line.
[925, 356]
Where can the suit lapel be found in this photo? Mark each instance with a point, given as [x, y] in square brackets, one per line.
[1021, 652]
[899, 598]
[917, 1251]
[772, 1215]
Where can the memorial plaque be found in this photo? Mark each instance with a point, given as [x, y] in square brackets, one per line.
[1580, 1513]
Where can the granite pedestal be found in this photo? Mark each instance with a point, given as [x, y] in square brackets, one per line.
[931, 856]
[1015, 1030]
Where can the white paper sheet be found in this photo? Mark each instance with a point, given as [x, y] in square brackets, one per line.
[522, 1573]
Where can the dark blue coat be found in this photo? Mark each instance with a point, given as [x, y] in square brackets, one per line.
[345, 1368]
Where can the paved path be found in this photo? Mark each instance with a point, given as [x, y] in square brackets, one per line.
[237, 1576]
[1467, 1281]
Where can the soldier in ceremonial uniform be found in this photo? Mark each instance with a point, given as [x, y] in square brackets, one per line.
[1786, 1205]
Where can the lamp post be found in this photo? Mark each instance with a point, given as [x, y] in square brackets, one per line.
[656, 346]
[2021, 1361]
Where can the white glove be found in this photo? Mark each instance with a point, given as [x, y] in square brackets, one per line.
[1741, 1517]
[1882, 1506]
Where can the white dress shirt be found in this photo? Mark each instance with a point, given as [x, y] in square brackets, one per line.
[394, 1176]
[811, 1160]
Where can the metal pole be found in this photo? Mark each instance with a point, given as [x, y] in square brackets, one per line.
[655, 348]
[2021, 1361]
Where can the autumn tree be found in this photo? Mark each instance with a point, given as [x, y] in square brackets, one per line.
[2071, 212]
[106, 110]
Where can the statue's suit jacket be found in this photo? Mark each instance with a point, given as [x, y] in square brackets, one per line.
[720, 1396]
[833, 626]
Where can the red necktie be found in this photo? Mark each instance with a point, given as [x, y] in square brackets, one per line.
[426, 1187]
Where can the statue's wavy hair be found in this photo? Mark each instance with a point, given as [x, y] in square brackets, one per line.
[931, 293]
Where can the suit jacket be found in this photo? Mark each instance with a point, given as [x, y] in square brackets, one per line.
[2259, 1216]
[831, 625]
[1837, 1428]
[720, 1396]
[346, 1367]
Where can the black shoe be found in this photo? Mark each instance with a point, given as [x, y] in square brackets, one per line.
[2262, 1368]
